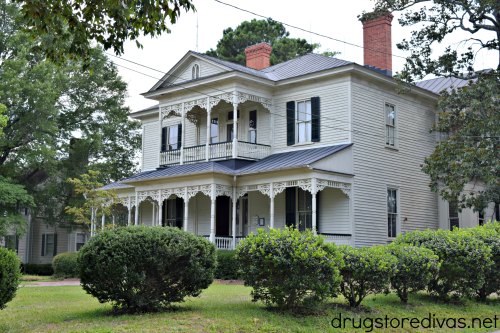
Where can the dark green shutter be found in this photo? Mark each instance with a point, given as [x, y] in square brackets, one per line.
[179, 212]
[290, 123]
[43, 244]
[164, 138]
[55, 244]
[179, 136]
[291, 209]
[315, 122]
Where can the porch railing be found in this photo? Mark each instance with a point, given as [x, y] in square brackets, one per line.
[221, 150]
[225, 242]
[170, 157]
[194, 154]
[253, 150]
[339, 239]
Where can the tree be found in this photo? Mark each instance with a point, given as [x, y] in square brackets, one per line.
[3, 118]
[463, 167]
[68, 28]
[231, 46]
[12, 198]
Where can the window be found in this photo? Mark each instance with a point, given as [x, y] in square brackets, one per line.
[12, 242]
[303, 121]
[453, 214]
[195, 71]
[171, 137]
[392, 212]
[174, 212]
[390, 125]
[214, 130]
[49, 244]
[304, 209]
[252, 126]
[81, 238]
[481, 218]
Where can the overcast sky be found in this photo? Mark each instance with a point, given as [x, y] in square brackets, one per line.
[336, 19]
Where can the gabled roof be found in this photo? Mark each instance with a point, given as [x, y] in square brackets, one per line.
[440, 84]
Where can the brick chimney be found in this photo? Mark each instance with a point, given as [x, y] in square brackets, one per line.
[377, 41]
[258, 56]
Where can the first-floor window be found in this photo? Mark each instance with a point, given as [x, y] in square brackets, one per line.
[81, 238]
[481, 218]
[392, 211]
[49, 244]
[174, 212]
[214, 130]
[12, 242]
[304, 209]
[453, 214]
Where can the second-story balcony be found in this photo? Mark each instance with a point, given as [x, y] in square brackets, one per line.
[215, 151]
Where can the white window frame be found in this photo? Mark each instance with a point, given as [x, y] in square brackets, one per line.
[45, 243]
[212, 136]
[391, 127]
[396, 214]
[307, 122]
[195, 71]
[168, 144]
[76, 239]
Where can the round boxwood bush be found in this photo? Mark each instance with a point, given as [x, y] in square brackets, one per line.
[144, 269]
[227, 265]
[65, 265]
[288, 268]
[10, 275]
[415, 268]
[366, 271]
[465, 260]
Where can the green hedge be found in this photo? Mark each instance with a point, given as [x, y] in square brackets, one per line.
[227, 265]
[288, 268]
[38, 269]
[143, 269]
[10, 274]
[65, 265]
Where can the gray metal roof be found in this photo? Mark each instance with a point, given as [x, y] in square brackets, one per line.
[115, 186]
[440, 84]
[291, 160]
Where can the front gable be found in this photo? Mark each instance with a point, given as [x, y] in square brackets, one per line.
[190, 67]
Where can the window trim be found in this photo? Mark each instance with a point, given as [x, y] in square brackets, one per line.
[45, 253]
[195, 71]
[167, 143]
[307, 122]
[394, 127]
[298, 212]
[397, 213]
[76, 239]
[218, 130]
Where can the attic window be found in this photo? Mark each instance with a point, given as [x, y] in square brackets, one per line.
[195, 71]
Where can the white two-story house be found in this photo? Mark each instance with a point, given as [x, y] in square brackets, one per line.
[316, 142]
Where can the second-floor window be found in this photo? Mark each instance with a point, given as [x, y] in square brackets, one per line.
[303, 121]
[171, 137]
[390, 125]
[252, 127]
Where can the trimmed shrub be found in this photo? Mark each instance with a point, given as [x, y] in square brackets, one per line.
[415, 268]
[366, 270]
[10, 275]
[288, 268]
[464, 258]
[227, 265]
[38, 269]
[65, 265]
[144, 269]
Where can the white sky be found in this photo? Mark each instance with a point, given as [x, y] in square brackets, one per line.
[334, 18]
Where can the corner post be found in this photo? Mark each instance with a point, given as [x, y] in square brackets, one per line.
[183, 134]
[137, 203]
[235, 125]
[314, 191]
[271, 212]
[209, 130]
[212, 214]
[129, 220]
[160, 210]
[235, 200]
[186, 208]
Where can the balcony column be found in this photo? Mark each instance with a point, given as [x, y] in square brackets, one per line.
[212, 214]
[129, 220]
[103, 220]
[183, 134]
[235, 126]
[160, 211]
[209, 130]
[186, 208]
[136, 217]
[271, 210]
[235, 200]
[314, 191]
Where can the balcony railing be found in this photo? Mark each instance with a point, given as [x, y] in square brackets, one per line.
[216, 151]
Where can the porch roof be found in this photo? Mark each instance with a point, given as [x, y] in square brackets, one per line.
[281, 161]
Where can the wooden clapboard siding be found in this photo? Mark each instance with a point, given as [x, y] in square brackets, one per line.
[377, 167]
[183, 74]
[150, 145]
[334, 212]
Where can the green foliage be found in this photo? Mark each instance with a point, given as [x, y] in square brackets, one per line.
[289, 268]
[415, 268]
[38, 269]
[233, 43]
[12, 196]
[68, 28]
[10, 275]
[366, 271]
[227, 265]
[65, 265]
[142, 269]
[465, 260]
[3, 118]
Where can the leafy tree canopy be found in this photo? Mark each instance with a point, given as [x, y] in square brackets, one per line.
[12, 198]
[231, 46]
[68, 28]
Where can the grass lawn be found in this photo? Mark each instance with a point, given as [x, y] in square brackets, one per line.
[26, 279]
[220, 308]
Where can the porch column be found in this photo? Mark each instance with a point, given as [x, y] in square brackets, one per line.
[234, 216]
[129, 220]
[209, 130]
[137, 203]
[271, 212]
[153, 215]
[113, 220]
[186, 209]
[92, 221]
[103, 219]
[160, 211]
[313, 192]
[183, 134]
[160, 121]
[235, 126]
[212, 214]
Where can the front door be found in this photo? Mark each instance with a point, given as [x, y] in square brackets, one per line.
[222, 216]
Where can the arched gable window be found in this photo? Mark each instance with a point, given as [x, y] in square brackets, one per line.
[195, 71]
